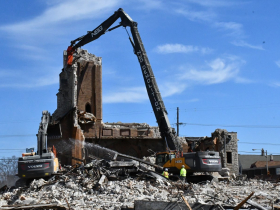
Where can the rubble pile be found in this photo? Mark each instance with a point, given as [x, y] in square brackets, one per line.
[99, 185]
[84, 56]
[232, 192]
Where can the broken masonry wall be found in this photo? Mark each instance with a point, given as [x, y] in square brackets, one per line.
[128, 138]
[232, 153]
[89, 94]
[78, 145]
[66, 96]
[70, 91]
[208, 143]
[80, 92]
[137, 147]
[89, 91]
[80, 85]
[63, 145]
[227, 145]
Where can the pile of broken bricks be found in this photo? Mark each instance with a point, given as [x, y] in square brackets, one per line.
[98, 185]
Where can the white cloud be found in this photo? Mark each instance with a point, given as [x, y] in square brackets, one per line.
[209, 16]
[218, 71]
[6, 73]
[23, 80]
[197, 15]
[33, 53]
[278, 63]
[242, 43]
[62, 13]
[234, 29]
[172, 88]
[31, 48]
[193, 100]
[275, 84]
[180, 48]
[243, 80]
[139, 94]
[213, 3]
[129, 95]
[149, 4]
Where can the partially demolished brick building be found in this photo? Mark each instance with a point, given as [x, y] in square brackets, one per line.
[78, 120]
[78, 117]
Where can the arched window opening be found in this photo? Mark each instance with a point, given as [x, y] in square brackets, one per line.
[88, 108]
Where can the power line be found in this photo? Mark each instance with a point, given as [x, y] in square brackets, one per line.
[240, 126]
[25, 121]
[258, 143]
[12, 149]
[10, 159]
[249, 152]
[257, 153]
[18, 135]
[277, 105]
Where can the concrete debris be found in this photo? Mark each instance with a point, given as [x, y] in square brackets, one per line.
[102, 184]
[85, 117]
[225, 172]
[84, 56]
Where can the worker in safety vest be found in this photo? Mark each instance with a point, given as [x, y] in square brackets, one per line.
[165, 173]
[183, 173]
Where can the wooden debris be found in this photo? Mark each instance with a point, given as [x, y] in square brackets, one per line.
[244, 201]
[186, 202]
[45, 206]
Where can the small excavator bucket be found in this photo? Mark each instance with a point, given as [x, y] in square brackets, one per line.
[69, 55]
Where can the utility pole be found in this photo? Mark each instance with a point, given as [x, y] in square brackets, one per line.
[178, 123]
[264, 154]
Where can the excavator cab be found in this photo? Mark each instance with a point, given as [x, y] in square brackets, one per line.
[28, 150]
[164, 157]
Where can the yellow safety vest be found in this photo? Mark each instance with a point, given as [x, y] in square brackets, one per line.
[183, 172]
[165, 174]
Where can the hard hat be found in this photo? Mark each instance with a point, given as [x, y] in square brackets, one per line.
[166, 169]
[183, 166]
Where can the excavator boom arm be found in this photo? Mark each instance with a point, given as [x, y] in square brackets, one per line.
[160, 112]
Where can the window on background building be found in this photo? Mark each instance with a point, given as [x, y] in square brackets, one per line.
[229, 157]
[88, 108]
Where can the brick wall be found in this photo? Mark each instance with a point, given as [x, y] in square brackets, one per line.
[227, 145]
[80, 89]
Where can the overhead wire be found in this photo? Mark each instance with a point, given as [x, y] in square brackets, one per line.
[12, 149]
[240, 126]
[257, 143]
[17, 135]
[171, 109]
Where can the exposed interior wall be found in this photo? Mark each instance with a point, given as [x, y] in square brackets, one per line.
[80, 94]
[89, 88]
[134, 147]
[227, 145]
[78, 146]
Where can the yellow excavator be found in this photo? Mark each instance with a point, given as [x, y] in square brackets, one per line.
[203, 161]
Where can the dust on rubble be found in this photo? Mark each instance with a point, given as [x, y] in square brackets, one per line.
[99, 186]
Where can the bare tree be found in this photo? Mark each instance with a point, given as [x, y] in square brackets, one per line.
[8, 170]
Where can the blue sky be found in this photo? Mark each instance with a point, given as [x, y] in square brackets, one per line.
[218, 61]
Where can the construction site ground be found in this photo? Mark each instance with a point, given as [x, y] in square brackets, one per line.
[98, 185]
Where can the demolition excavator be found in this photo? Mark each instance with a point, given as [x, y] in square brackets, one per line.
[42, 163]
[173, 158]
